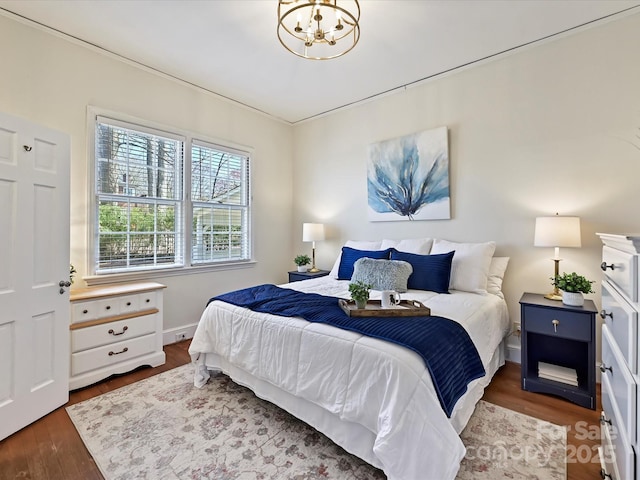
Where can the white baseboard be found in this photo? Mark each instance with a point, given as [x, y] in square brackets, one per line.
[513, 353]
[169, 336]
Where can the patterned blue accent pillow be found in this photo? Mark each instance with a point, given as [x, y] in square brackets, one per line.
[382, 274]
[430, 272]
[351, 255]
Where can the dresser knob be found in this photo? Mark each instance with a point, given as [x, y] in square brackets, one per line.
[555, 325]
[108, 307]
[604, 368]
[603, 314]
[85, 311]
[604, 266]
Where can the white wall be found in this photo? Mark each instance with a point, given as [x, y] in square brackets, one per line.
[51, 81]
[553, 128]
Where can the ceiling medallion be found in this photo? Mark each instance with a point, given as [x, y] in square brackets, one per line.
[318, 29]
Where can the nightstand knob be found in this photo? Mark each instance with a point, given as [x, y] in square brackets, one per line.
[604, 420]
[555, 325]
[604, 266]
[604, 368]
[603, 314]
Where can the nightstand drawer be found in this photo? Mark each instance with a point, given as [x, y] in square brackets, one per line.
[299, 276]
[622, 321]
[618, 386]
[558, 323]
[622, 269]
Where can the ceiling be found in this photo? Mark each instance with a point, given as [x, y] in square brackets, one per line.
[230, 47]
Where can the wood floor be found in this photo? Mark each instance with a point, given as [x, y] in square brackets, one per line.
[51, 448]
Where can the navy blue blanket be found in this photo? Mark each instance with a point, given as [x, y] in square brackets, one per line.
[445, 346]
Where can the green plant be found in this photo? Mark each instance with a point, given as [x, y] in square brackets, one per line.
[572, 282]
[359, 291]
[301, 260]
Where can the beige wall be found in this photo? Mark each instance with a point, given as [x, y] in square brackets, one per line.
[552, 128]
[52, 81]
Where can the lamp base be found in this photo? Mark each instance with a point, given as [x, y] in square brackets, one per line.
[313, 270]
[553, 296]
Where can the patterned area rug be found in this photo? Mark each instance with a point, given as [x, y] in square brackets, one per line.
[165, 428]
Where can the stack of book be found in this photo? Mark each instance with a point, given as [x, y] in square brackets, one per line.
[558, 373]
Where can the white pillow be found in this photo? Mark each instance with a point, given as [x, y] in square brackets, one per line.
[496, 274]
[470, 266]
[419, 246]
[358, 245]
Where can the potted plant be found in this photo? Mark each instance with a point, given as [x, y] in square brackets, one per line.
[302, 261]
[573, 288]
[360, 293]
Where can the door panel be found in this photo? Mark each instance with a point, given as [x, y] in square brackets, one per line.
[34, 258]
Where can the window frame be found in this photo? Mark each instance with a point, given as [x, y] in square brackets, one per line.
[95, 277]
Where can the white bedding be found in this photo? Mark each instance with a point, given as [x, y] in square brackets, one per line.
[373, 398]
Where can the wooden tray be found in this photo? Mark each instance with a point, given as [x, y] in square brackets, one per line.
[406, 308]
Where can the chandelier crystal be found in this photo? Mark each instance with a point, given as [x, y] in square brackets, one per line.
[318, 29]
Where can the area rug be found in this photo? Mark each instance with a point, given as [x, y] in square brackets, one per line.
[165, 428]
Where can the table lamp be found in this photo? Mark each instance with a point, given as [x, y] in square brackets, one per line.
[313, 232]
[557, 232]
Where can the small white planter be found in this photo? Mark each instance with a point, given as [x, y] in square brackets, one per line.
[302, 268]
[573, 299]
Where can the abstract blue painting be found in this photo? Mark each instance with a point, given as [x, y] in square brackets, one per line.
[408, 177]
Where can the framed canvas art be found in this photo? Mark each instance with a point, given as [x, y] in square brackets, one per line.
[408, 177]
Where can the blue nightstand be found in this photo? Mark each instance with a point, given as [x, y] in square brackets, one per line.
[295, 276]
[563, 336]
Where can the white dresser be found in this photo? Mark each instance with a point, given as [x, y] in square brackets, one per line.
[114, 329]
[620, 454]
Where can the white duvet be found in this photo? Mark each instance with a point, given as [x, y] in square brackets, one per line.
[373, 398]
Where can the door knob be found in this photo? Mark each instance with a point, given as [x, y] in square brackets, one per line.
[62, 284]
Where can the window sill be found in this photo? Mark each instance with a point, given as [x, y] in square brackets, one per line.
[106, 278]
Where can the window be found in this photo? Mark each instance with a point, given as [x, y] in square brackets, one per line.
[219, 191]
[143, 215]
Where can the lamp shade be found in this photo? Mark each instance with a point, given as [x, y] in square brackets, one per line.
[312, 232]
[557, 231]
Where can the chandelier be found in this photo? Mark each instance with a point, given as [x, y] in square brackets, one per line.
[318, 29]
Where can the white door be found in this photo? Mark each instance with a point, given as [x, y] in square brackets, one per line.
[34, 258]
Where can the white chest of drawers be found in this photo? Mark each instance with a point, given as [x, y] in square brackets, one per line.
[620, 452]
[114, 329]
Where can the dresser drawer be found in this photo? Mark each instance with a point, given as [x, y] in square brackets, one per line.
[147, 300]
[84, 311]
[622, 321]
[616, 455]
[95, 309]
[624, 273]
[112, 306]
[107, 333]
[618, 385]
[129, 304]
[110, 354]
[559, 323]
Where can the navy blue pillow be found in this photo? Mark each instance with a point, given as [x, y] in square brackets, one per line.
[351, 255]
[430, 272]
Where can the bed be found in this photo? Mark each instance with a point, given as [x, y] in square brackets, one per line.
[373, 398]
